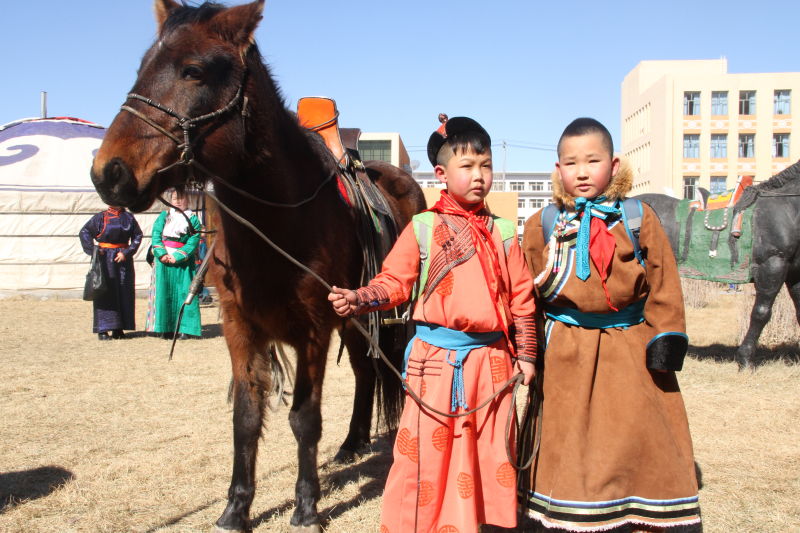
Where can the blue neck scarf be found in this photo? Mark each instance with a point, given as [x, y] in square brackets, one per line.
[590, 208]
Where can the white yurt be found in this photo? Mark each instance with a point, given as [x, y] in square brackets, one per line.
[46, 196]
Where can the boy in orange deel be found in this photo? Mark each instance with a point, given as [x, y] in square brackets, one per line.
[615, 451]
[474, 323]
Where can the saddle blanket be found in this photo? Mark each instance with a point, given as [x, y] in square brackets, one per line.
[706, 249]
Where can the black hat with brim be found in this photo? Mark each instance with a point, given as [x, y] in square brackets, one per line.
[453, 126]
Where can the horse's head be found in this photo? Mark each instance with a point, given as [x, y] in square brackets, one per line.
[186, 103]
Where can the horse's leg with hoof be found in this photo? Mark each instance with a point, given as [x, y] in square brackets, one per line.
[305, 420]
[769, 278]
[357, 441]
[249, 381]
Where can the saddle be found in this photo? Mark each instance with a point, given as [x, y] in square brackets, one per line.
[716, 209]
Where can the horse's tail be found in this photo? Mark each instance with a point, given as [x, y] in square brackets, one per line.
[388, 387]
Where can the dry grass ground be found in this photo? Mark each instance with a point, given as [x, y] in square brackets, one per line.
[112, 437]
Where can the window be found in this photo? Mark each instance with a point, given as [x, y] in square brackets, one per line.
[516, 185]
[718, 185]
[780, 145]
[691, 103]
[689, 187]
[747, 102]
[520, 221]
[537, 203]
[520, 203]
[375, 150]
[498, 186]
[691, 146]
[783, 102]
[719, 146]
[719, 103]
[535, 186]
[747, 143]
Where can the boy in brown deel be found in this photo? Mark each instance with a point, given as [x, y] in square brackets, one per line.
[615, 447]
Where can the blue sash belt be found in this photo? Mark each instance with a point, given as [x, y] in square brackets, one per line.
[625, 317]
[453, 340]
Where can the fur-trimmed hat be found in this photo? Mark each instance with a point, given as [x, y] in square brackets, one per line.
[618, 188]
[450, 127]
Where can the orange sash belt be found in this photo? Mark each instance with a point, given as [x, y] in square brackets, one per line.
[111, 245]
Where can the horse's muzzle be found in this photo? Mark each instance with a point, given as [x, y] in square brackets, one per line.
[116, 185]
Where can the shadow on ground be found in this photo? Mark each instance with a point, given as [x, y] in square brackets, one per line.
[16, 487]
[721, 353]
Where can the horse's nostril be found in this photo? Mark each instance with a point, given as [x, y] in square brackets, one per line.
[114, 172]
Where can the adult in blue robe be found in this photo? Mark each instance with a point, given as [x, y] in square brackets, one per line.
[118, 235]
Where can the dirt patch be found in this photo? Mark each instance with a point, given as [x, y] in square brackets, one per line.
[113, 437]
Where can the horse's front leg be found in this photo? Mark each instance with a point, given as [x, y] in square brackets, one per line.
[769, 278]
[305, 420]
[250, 377]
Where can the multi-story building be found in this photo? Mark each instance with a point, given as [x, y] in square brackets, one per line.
[689, 124]
[384, 147]
[533, 191]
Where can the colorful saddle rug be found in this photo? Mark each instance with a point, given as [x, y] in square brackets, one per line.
[715, 244]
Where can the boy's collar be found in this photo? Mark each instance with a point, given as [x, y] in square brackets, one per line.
[618, 188]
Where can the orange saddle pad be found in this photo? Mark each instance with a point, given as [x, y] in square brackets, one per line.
[319, 114]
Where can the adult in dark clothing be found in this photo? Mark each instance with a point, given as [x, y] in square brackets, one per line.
[118, 235]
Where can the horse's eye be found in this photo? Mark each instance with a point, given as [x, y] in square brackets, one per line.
[192, 72]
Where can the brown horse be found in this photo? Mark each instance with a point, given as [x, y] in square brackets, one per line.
[205, 65]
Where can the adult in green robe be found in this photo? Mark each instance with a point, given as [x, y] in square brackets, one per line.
[174, 250]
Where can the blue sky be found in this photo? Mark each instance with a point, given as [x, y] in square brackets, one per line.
[524, 69]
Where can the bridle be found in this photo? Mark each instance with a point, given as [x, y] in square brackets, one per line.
[186, 124]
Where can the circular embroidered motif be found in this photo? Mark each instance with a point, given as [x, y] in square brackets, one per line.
[406, 445]
[498, 367]
[505, 475]
[426, 493]
[465, 485]
[447, 529]
[440, 438]
[384, 529]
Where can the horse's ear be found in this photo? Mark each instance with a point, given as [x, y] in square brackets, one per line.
[163, 8]
[238, 23]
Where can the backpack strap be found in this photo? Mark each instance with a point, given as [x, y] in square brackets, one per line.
[508, 231]
[549, 216]
[423, 230]
[632, 218]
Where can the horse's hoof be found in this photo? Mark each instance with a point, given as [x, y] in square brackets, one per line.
[345, 457]
[745, 364]
[218, 529]
[313, 528]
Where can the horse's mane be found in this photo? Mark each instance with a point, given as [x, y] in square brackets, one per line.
[781, 179]
[186, 14]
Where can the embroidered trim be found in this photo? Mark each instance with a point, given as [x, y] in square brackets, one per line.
[603, 515]
[525, 338]
[372, 296]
